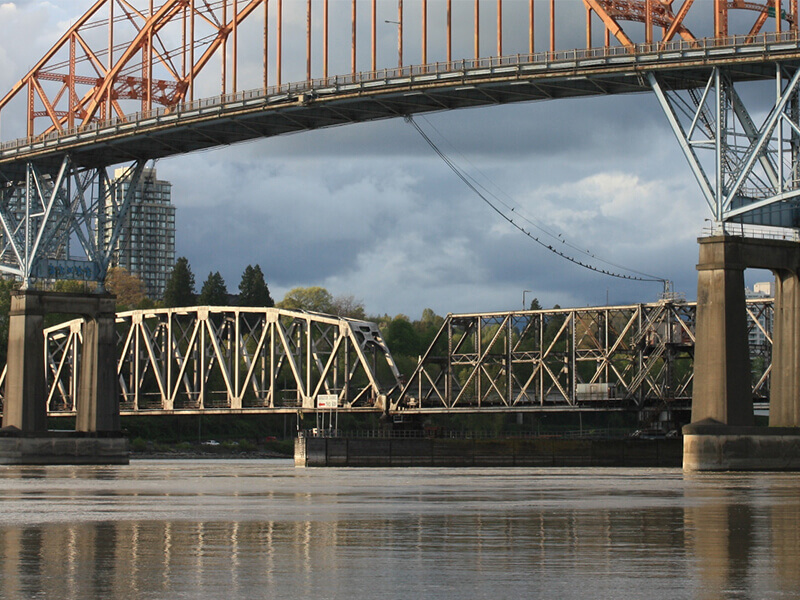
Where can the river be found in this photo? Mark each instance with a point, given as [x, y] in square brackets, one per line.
[233, 529]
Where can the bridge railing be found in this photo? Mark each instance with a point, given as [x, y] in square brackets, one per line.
[389, 76]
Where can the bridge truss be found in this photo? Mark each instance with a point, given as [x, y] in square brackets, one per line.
[637, 357]
[209, 359]
[131, 82]
[226, 360]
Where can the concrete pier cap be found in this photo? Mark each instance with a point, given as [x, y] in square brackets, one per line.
[24, 438]
[722, 434]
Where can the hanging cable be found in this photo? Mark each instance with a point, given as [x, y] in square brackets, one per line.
[473, 185]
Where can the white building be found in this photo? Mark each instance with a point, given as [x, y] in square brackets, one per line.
[146, 244]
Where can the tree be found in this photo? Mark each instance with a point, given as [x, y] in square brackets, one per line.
[347, 306]
[401, 337]
[535, 304]
[253, 290]
[179, 290]
[214, 292]
[315, 299]
[128, 288]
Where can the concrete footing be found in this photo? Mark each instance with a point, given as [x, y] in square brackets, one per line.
[722, 435]
[63, 448]
[712, 446]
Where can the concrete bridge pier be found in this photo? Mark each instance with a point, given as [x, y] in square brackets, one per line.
[722, 435]
[24, 438]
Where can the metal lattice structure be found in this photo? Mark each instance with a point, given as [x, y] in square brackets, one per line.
[223, 360]
[211, 359]
[637, 357]
[133, 81]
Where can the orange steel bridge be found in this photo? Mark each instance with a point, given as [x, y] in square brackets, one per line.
[136, 80]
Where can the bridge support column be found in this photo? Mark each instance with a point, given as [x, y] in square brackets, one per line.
[25, 403]
[25, 438]
[722, 436]
[98, 393]
[721, 389]
[784, 395]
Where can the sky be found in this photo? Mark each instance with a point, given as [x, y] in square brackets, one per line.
[370, 210]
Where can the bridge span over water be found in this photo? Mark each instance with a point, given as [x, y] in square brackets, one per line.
[129, 82]
[218, 360]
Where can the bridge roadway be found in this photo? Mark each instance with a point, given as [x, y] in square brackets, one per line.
[387, 93]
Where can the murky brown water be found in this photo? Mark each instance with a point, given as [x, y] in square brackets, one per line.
[263, 529]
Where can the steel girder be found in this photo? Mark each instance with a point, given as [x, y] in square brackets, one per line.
[46, 215]
[748, 173]
[536, 360]
[219, 359]
[222, 360]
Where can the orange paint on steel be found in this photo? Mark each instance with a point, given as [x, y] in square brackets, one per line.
[552, 25]
[235, 57]
[648, 22]
[374, 34]
[279, 43]
[424, 32]
[530, 27]
[611, 24]
[224, 50]
[477, 30]
[110, 56]
[499, 27]
[308, 40]
[266, 44]
[793, 10]
[191, 48]
[325, 39]
[778, 16]
[400, 34]
[678, 21]
[449, 33]
[588, 26]
[149, 63]
[353, 39]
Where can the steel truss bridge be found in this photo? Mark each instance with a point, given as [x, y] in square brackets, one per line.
[236, 360]
[131, 81]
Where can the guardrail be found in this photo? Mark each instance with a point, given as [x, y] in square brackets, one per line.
[644, 53]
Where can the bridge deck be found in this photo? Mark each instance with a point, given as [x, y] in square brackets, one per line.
[390, 93]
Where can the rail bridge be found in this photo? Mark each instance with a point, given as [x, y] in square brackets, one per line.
[131, 82]
[222, 360]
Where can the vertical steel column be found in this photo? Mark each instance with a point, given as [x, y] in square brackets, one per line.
[353, 38]
[224, 49]
[325, 39]
[235, 57]
[499, 27]
[266, 45]
[552, 25]
[588, 26]
[400, 34]
[477, 30]
[374, 34]
[531, 24]
[308, 40]
[424, 32]
[279, 41]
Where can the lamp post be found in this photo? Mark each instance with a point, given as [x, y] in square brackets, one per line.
[524, 306]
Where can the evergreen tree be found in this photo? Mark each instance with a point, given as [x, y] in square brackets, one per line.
[253, 290]
[179, 290]
[214, 292]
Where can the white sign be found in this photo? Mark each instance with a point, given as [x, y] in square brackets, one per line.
[327, 401]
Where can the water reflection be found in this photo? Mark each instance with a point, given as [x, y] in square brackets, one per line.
[383, 534]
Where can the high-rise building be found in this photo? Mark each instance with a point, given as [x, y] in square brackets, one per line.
[146, 243]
